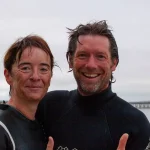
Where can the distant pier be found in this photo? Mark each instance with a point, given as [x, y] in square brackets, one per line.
[141, 104]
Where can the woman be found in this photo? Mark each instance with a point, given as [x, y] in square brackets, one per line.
[28, 65]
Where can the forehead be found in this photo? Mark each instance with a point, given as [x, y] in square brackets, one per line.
[34, 54]
[93, 42]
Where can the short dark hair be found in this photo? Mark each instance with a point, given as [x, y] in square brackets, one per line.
[14, 52]
[97, 28]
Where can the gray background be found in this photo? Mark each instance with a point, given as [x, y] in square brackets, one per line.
[129, 19]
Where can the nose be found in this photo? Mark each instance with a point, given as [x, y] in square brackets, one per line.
[91, 63]
[35, 75]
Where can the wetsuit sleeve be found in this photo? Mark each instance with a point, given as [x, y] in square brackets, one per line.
[5, 142]
[139, 140]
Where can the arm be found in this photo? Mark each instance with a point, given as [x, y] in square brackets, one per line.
[138, 140]
[148, 146]
[5, 141]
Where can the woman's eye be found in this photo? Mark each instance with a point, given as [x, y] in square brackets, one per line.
[44, 70]
[25, 69]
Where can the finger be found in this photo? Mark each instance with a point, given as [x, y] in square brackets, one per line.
[123, 142]
[50, 143]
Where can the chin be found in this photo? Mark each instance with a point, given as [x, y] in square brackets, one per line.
[35, 98]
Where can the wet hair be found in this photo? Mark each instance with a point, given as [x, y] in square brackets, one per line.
[13, 54]
[96, 28]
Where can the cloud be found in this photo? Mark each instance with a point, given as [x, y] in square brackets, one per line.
[130, 23]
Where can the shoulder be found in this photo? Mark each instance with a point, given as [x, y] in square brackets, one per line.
[6, 116]
[58, 93]
[130, 113]
[4, 111]
[57, 96]
[54, 102]
[129, 119]
[3, 107]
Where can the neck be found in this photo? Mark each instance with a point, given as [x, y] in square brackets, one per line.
[90, 93]
[28, 109]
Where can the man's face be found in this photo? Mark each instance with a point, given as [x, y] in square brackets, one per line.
[30, 77]
[92, 64]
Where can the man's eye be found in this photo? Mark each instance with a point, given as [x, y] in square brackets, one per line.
[101, 57]
[82, 55]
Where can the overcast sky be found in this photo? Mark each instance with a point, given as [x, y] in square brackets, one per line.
[129, 19]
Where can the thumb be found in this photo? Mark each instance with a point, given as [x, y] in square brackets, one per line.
[50, 143]
[123, 142]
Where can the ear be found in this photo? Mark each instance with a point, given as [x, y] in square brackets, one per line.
[114, 64]
[70, 61]
[8, 76]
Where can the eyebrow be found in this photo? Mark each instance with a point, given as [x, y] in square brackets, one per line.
[84, 51]
[44, 64]
[81, 51]
[27, 63]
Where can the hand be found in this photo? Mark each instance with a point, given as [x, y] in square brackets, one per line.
[50, 143]
[123, 142]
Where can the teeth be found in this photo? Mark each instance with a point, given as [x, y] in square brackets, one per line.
[91, 75]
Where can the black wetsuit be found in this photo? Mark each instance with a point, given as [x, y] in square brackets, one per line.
[19, 133]
[92, 122]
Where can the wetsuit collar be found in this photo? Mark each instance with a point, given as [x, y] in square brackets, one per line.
[96, 100]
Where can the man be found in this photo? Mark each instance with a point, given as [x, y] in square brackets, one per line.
[92, 117]
[28, 69]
